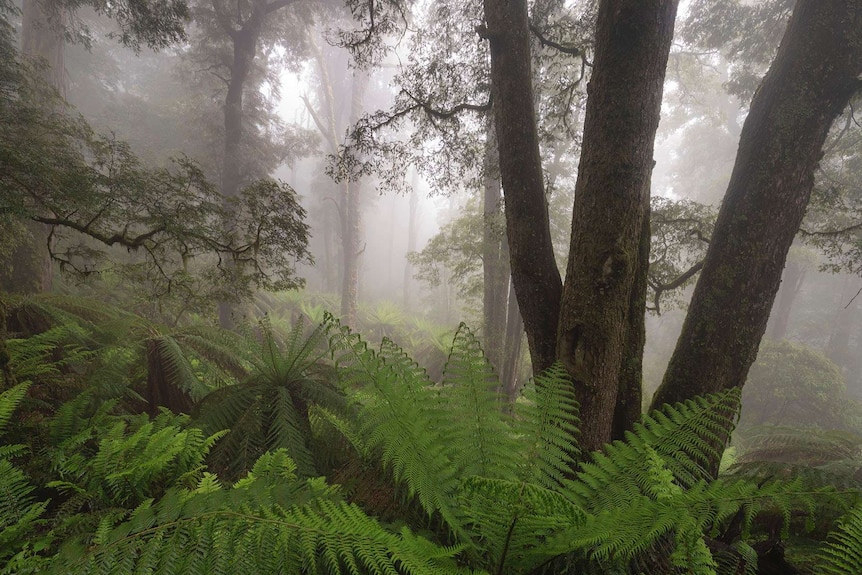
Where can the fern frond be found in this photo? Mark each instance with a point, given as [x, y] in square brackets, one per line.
[512, 521]
[546, 423]
[842, 553]
[268, 410]
[19, 513]
[400, 417]
[477, 432]
[269, 523]
[9, 401]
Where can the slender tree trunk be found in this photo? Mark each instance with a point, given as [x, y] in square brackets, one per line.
[352, 217]
[838, 348]
[633, 40]
[534, 270]
[791, 283]
[244, 51]
[512, 354]
[811, 80]
[495, 272]
[412, 229]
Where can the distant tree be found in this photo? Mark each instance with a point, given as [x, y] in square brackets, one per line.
[96, 197]
[45, 27]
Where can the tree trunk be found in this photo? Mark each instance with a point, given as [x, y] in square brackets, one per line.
[791, 282]
[244, 51]
[633, 40]
[629, 404]
[495, 286]
[811, 80]
[352, 233]
[534, 271]
[412, 229]
[838, 348]
[42, 38]
[512, 354]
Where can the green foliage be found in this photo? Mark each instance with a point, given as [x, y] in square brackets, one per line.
[268, 409]
[791, 384]
[842, 554]
[19, 512]
[507, 484]
[270, 522]
[96, 196]
[479, 484]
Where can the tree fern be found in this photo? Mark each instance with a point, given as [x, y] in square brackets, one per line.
[268, 409]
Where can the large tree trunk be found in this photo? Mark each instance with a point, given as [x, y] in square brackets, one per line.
[633, 40]
[811, 80]
[534, 271]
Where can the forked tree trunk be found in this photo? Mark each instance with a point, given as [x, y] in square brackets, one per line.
[611, 207]
[811, 80]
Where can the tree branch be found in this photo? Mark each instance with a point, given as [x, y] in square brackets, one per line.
[573, 50]
[121, 239]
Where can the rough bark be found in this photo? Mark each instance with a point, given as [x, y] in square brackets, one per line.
[534, 271]
[633, 40]
[629, 404]
[811, 80]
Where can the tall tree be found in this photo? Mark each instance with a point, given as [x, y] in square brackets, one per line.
[232, 35]
[811, 80]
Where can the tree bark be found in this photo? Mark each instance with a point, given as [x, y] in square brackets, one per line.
[534, 271]
[629, 403]
[495, 272]
[633, 40]
[811, 80]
